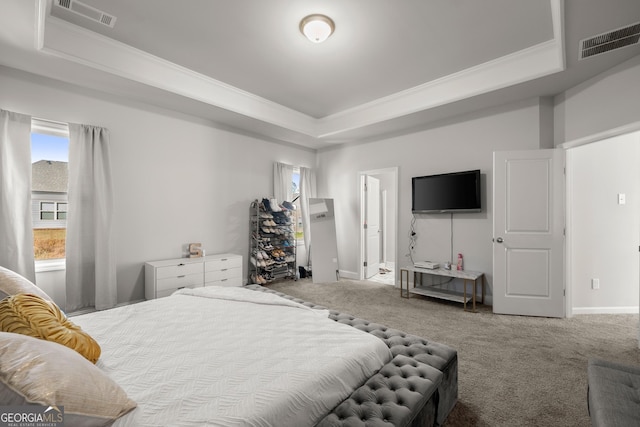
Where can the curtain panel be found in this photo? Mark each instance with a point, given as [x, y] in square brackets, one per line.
[91, 263]
[16, 224]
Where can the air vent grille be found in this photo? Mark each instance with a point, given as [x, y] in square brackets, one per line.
[87, 11]
[616, 39]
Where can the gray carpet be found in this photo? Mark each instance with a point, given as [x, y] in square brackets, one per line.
[513, 370]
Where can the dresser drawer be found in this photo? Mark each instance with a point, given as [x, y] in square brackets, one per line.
[177, 282]
[232, 261]
[167, 292]
[226, 273]
[231, 281]
[178, 269]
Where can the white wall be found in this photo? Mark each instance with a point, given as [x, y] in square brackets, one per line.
[177, 179]
[604, 105]
[608, 101]
[462, 144]
[604, 235]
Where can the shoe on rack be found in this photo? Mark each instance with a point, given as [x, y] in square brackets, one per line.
[274, 205]
[267, 205]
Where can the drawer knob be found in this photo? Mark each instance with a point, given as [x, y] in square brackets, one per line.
[181, 264]
[181, 276]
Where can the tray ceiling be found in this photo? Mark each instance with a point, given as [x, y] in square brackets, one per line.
[244, 64]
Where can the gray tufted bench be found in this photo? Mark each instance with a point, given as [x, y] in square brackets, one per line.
[418, 387]
[614, 394]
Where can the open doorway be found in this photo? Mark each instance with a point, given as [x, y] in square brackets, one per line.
[379, 225]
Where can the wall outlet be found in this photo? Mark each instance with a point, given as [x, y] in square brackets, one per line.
[595, 283]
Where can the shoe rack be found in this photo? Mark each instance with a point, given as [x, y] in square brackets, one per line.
[272, 244]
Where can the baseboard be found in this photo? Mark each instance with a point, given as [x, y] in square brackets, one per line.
[352, 275]
[605, 310]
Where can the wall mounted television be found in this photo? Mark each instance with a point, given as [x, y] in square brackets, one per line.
[448, 192]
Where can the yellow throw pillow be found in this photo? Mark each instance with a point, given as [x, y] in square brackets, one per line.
[29, 314]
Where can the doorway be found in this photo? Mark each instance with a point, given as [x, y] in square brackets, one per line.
[378, 225]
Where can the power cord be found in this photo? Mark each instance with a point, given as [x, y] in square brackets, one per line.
[451, 228]
[412, 238]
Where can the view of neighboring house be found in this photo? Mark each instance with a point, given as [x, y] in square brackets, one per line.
[49, 208]
[49, 194]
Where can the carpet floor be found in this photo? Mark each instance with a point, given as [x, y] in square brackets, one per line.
[513, 370]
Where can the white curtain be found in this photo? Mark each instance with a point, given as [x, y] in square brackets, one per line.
[282, 179]
[307, 190]
[91, 266]
[16, 225]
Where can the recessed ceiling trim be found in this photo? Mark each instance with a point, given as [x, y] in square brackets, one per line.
[63, 39]
[86, 47]
[527, 64]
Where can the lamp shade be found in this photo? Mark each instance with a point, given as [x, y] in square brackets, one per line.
[317, 28]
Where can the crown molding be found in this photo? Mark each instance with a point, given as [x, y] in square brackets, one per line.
[527, 64]
[60, 38]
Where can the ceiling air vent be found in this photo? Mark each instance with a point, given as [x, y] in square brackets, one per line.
[605, 42]
[87, 11]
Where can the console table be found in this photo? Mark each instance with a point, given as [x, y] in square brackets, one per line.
[433, 291]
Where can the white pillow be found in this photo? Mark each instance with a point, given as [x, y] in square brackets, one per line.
[35, 371]
[11, 283]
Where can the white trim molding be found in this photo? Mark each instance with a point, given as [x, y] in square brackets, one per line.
[60, 38]
[605, 310]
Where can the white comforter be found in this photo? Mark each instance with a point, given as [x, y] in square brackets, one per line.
[231, 357]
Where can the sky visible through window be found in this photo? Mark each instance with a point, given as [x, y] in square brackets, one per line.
[296, 182]
[49, 147]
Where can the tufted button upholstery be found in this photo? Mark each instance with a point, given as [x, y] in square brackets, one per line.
[419, 381]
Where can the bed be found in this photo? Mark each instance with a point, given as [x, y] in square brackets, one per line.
[253, 357]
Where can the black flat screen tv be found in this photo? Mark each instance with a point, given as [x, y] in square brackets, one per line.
[448, 192]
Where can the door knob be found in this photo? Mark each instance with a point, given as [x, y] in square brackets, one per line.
[499, 240]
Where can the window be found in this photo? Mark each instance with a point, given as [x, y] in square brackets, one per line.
[53, 211]
[50, 175]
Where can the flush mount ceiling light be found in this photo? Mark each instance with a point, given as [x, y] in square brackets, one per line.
[317, 28]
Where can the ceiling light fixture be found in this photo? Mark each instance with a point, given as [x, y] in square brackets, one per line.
[317, 28]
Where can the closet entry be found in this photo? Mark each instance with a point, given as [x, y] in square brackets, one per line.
[324, 247]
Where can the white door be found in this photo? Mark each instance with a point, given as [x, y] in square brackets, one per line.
[372, 226]
[528, 233]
